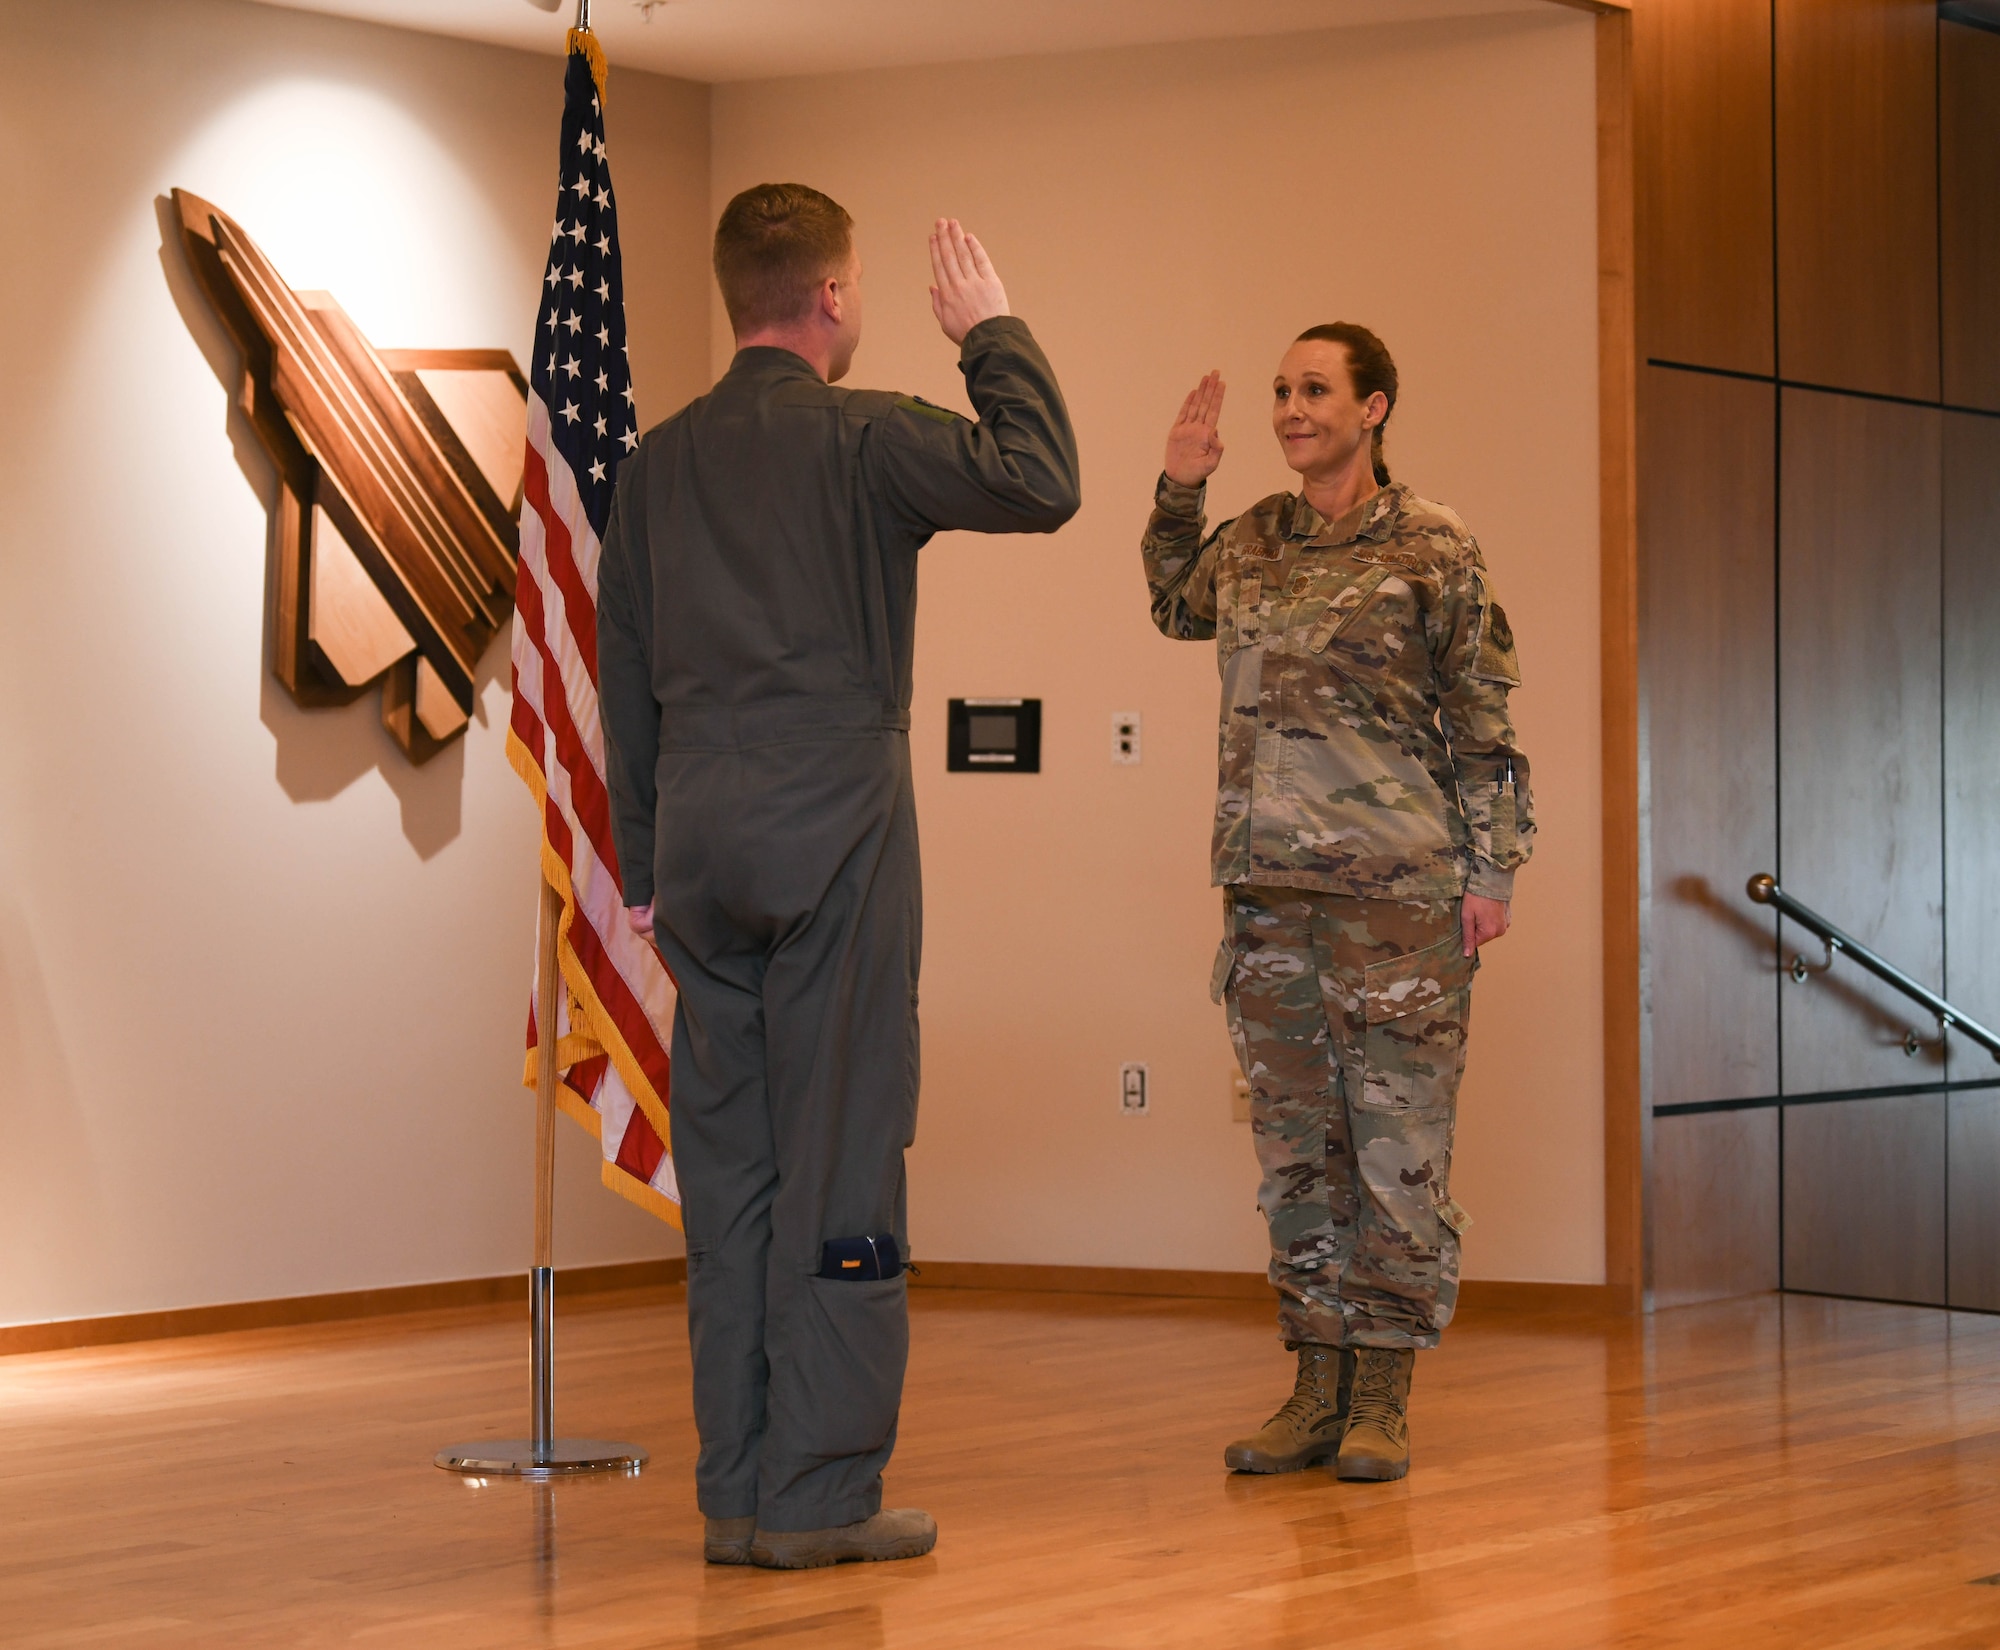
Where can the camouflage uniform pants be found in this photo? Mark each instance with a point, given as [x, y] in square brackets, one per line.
[1349, 1017]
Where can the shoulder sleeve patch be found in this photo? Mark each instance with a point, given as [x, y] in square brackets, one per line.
[1497, 661]
[926, 409]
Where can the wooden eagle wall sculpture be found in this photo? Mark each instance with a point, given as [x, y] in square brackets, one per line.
[399, 487]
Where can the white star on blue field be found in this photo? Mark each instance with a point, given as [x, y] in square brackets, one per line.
[580, 369]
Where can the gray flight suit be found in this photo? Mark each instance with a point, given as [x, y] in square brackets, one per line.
[756, 611]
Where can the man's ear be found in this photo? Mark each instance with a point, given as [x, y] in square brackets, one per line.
[830, 299]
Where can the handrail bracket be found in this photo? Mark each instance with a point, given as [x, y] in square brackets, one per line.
[1764, 890]
[1801, 970]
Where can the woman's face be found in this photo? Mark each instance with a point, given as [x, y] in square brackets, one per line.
[1319, 423]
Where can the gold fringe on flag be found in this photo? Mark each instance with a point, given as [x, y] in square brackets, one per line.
[582, 40]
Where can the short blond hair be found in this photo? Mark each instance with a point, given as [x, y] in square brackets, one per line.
[774, 244]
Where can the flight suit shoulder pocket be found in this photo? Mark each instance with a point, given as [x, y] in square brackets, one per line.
[927, 409]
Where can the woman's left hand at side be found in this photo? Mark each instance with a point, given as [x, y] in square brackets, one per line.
[1482, 919]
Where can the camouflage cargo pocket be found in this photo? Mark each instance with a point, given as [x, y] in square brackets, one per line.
[1223, 970]
[1341, 610]
[1240, 598]
[1417, 1007]
[1221, 989]
[1239, 627]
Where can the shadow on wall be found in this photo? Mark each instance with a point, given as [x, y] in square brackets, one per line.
[321, 750]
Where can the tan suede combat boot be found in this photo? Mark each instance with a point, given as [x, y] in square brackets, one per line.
[899, 1533]
[727, 1540]
[1376, 1445]
[1306, 1430]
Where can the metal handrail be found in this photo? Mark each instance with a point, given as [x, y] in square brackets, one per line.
[1764, 889]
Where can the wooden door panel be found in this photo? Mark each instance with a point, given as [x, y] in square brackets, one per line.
[1864, 1198]
[1860, 727]
[1707, 547]
[1714, 1205]
[1972, 1207]
[1701, 107]
[1972, 731]
[1969, 212]
[1857, 199]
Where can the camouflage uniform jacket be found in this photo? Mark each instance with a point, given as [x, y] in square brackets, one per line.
[1366, 747]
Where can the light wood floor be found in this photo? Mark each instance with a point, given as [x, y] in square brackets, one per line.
[1762, 1473]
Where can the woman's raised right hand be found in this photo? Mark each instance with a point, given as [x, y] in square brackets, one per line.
[1194, 444]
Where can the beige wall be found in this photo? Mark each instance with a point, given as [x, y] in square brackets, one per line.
[1156, 212]
[261, 982]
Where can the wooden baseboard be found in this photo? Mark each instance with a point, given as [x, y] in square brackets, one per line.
[1590, 1298]
[1090, 1280]
[1163, 1282]
[354, 1303]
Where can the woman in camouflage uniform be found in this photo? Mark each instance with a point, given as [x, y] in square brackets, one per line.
[1371, 812]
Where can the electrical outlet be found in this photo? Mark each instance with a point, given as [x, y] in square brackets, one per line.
[1133, 1099]
[1125, 738]
[1239, 1099]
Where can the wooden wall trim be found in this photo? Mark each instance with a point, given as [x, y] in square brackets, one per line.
[1091, 1280]
[1624, 1111]
[575, 1281]
[571, 1282]
[1163, 1282]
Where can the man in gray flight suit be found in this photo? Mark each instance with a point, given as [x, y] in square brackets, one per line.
[756, 608]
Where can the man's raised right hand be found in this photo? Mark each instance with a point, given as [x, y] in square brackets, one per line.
[1194, 444]
[967, 290]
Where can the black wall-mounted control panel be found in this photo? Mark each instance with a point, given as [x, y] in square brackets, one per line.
[993, 736]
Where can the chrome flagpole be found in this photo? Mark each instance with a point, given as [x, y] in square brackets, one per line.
[543, 1455]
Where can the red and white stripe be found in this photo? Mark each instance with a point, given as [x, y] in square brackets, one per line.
[617, 1025]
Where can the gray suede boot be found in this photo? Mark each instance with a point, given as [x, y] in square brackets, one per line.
[902, 1532]
[727, 1540]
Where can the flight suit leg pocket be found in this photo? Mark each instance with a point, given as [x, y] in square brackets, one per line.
[855, 1348]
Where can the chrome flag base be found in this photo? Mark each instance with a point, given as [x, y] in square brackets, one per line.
[564, 1458]
[544, 1455]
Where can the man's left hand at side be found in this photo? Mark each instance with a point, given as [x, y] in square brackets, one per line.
[640, 918]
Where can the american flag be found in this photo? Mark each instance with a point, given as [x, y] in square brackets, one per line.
[615, 1023]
